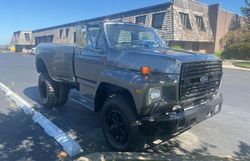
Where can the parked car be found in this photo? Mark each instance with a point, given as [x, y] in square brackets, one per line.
[32, 51]
[126, 72]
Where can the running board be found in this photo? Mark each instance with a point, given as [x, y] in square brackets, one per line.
[84, 101]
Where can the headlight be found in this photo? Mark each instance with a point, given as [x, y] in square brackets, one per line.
[154, 94]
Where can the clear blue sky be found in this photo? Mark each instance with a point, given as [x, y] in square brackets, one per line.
[34, 14]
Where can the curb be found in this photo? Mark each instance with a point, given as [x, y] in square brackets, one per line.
[236, 68]
[68, 144]
[228, 64]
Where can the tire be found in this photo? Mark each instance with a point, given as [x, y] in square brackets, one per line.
[48, 90]
[52, 93]
[63, 93]
[117, 116]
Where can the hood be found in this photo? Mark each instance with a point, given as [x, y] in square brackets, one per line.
[160, 60]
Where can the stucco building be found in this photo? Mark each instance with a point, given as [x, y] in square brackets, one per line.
[187, 23]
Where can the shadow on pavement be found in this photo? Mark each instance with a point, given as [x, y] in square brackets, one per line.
[200, 154]
[81, 124]
[32, 93]
[84, 126]
[21, 139]
[244, 151]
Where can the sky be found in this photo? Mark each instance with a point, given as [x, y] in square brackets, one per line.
[35, 14]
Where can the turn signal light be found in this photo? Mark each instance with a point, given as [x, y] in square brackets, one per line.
[145, 70]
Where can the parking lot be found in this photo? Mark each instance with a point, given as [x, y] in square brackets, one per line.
[227, 134]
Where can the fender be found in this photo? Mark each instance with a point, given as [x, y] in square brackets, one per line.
[58, 60]
[131, 80]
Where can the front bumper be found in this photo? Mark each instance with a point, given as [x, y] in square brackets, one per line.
[174, 122]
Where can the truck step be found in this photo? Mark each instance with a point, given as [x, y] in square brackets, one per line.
[84, 101]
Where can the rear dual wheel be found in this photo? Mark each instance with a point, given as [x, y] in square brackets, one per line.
[51, 92]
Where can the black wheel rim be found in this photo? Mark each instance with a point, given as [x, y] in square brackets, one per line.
[43, 90]
[116, 128]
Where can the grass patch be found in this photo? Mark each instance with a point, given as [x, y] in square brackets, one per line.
[243, 64]
[176, 47]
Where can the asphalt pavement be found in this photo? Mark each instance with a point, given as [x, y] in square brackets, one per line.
[227, 134]
[21, 139]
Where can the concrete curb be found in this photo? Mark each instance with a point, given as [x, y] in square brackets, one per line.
[228, 64]
[126, 156]
[68, 144]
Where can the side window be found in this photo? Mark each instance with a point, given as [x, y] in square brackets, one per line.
[81, 36]
[89, 37]
[100, 43]
[93, 35]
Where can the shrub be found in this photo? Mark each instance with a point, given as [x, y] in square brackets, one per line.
[177, 47]
[233, 37]
[218, 54]
[238, 51]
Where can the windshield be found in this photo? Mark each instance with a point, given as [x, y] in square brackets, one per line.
[134, 36]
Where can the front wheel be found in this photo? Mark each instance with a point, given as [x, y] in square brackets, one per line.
[117, 118]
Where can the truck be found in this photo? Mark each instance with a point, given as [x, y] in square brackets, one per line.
[142, 88]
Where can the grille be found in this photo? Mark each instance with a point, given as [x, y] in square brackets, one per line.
[193, 87]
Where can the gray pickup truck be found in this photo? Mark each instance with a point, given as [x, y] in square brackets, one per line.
[142, 88]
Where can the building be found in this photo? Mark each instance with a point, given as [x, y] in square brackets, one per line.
[187, 23]
[21, 41]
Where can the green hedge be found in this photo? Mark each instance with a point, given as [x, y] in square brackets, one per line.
[238, 51]
[176, 47]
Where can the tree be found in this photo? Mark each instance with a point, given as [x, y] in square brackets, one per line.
[246, 11]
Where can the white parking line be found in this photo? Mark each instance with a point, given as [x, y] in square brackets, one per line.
[68, 144]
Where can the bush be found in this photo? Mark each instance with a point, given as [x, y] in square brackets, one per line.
[218, 54]
[233, 37]
[238, 51]
[177, 47]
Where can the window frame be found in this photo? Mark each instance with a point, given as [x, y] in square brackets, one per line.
[67, 32]
[154, 16]
[27, 37]
[185, 20]
[200, 23]
[89, 36]
[60, 33]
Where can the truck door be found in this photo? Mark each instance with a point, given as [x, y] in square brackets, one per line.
[90, 58]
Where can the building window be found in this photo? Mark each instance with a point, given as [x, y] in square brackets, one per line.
[67, 32]
[60, 33]
[43, 39]
[200, 23]
[27, 36]
[157, 20]
[124, 37]
[141, 20]
[74, 37]
[185, 21]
